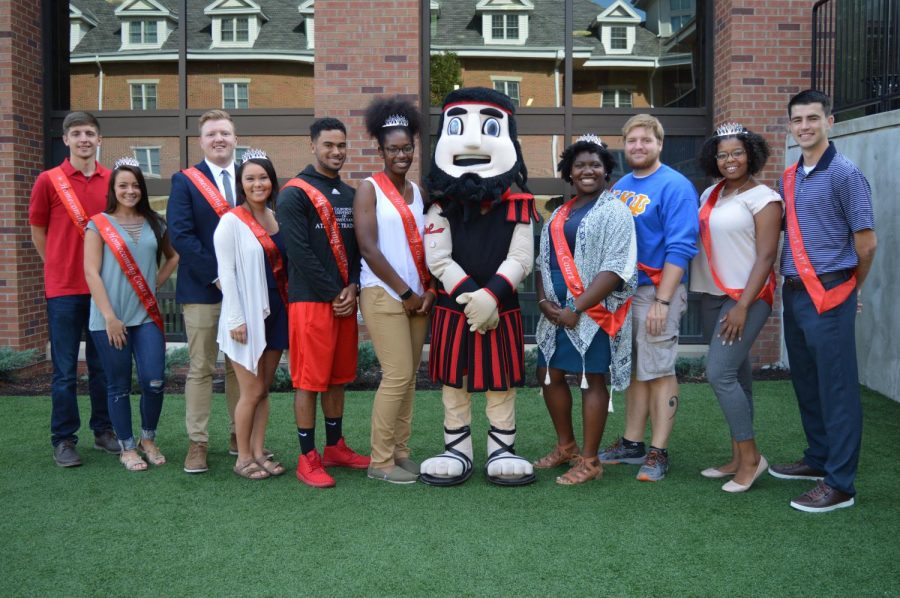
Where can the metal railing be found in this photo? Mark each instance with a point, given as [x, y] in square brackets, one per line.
[856, 55]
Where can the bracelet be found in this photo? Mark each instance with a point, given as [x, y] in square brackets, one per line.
[407, 294]
[662, 301]
[542, 300]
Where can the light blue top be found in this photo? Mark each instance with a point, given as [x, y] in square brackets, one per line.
[122, 297]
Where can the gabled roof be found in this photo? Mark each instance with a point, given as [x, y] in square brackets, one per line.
[144, 8]
[234, 7]
[283, 35]
[619, 12]
[459, 30]
[82, 15]
[504, 5]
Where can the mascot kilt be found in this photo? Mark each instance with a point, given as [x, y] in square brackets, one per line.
[479, 245]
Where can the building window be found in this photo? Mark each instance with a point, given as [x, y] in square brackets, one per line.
[148, 158]
[239, 153]
[510, 88]
[618, 38]
[235, 94]
[143, 96]
[616, 98]
[505, 27]
[235, 29]
[143, 33]
[680, 12]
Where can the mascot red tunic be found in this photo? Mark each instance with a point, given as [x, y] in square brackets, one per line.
[479, 245]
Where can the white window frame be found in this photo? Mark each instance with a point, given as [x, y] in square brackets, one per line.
[618, 94]
[487, 28]
[143, 83]
[235, 83]
[146, 150]
[128, 27]
[504, 81]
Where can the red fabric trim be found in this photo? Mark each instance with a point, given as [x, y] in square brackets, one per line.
[822, 299]
[459, 284]
[329, 221]
[473, 102]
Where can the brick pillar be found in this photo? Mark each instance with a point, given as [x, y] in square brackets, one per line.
[363, 50]
[23, 324]
[762, 56]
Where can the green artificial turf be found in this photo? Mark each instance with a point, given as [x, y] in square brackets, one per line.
[99, 530]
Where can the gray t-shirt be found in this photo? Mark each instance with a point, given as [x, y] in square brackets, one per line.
[122, 297]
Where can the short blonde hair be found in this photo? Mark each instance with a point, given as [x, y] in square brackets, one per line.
[646, 121]
[213, 115]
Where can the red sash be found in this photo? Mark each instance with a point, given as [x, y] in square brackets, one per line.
[68, 199]
[610, 322]
[413, 237]
[767, 293]
[329, 221]
[129, 266]
[268, 245]
[208, 190]
[654, 274]
[823, 300]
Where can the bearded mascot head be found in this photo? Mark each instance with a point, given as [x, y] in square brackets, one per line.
[477, 156]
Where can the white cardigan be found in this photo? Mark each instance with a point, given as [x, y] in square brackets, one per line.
[245, 292]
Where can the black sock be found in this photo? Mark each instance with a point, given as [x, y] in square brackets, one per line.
[333, 431]
[663, 452]
[632, 444]
[307, 438]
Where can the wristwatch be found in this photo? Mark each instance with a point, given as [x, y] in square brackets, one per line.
[407, 294]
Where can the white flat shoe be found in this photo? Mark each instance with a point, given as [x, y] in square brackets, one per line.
[714, 474]
[734, 487]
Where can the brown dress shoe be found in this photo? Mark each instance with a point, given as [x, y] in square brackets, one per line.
[796, 471]
[821, 499]
[195, 462]
[65, 454]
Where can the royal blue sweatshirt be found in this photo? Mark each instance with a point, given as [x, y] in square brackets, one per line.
[664, 206]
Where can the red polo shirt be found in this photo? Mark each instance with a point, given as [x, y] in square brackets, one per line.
[64, 254]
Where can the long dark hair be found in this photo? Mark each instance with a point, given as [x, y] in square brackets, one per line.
[143, 205]
[270, 170]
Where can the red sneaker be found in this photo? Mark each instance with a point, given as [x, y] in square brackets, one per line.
[341, 455]
[311, 472]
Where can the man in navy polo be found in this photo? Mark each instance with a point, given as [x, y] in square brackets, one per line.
[828, 251]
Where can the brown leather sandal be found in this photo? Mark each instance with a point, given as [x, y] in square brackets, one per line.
[251, 471]
[584, 470]
[274, 468]
[558, 456]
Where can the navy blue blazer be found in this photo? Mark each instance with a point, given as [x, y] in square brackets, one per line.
[192, 222]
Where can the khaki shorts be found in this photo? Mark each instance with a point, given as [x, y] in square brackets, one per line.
[654, 356]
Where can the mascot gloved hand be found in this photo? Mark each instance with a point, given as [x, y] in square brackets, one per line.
[480, 309]
[480, 246]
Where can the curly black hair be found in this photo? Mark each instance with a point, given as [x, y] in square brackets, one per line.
[568, 158]
[757, 153]
[383, 108]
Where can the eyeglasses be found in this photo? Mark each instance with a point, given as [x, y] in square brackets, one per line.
[406, 149]
[736, 154]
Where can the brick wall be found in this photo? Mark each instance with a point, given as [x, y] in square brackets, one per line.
[85, 84]
[23, 324]
[762, 57]
[376, 52]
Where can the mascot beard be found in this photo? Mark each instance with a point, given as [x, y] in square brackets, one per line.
[479, 246]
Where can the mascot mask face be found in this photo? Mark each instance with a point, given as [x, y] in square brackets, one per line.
[475, 139]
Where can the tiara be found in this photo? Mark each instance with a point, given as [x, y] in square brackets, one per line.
[253, 154]
[729, 129]
[590, 138]
[126, 161]
[395, 120]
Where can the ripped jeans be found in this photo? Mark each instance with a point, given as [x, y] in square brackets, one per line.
[147, 345]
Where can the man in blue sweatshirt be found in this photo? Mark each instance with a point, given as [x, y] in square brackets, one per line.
[664, 204]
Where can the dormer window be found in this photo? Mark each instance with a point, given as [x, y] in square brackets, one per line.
[145, 24]
[617, 27]
[235, 23]
[80, 22]
[143, 33]
[308, 10]
[235, 29]
[504, 21]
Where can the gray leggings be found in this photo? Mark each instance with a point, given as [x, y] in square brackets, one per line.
[728, 367]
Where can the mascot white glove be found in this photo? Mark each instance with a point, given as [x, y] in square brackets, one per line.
[480, 309]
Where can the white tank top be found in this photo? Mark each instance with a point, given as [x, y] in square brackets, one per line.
[392, 242]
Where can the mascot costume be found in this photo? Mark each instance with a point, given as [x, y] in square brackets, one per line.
[479, 245]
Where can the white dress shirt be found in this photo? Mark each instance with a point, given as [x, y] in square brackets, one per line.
[217, 175]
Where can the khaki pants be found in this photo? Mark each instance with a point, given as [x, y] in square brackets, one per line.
[201, 321]
[398, 341]
[500, 407]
